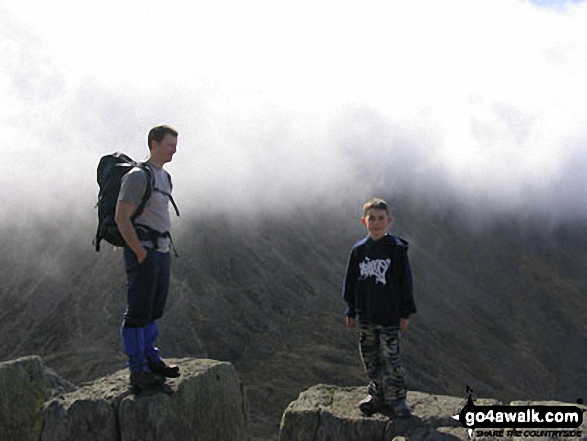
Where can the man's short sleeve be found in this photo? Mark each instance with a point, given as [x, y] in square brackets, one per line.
[133, 186]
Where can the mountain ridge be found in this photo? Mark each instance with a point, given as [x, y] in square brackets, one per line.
[264, 292]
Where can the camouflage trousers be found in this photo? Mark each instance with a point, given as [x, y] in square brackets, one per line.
[379, 347]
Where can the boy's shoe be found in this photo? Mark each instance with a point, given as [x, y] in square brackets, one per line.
[401, 409]
[158, 367]
[371, 404]
[141, 381]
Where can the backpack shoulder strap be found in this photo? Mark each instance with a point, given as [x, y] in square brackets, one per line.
[151, 188]
[169, 194]
[148, 190]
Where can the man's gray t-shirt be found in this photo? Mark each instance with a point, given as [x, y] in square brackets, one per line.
[156, 212]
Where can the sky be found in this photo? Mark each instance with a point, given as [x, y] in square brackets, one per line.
[285, 102]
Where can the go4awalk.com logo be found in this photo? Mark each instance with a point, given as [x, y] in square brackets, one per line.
[521, 421]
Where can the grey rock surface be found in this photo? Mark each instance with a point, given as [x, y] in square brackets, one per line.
[56, 385]
[324, 413]
[22, 392]
[206, 403]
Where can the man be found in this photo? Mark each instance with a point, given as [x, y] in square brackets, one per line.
[147, 259]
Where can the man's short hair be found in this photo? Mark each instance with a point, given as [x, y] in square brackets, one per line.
[377, 203]
[159, 132]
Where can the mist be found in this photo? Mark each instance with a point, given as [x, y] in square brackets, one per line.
[482, 102]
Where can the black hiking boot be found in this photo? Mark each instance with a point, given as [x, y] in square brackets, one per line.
[370, 404]
[158, 367]
[145, 381]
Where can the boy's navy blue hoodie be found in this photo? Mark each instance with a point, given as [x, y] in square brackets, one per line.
[378, 282]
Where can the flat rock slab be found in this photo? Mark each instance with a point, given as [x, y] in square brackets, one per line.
[325, 413]
[206, 403]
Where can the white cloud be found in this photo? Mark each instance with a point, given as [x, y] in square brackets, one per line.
[285, 100]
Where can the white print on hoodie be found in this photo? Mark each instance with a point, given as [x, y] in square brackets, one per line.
[377, 268]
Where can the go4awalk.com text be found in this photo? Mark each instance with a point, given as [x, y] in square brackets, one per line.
[522, 421]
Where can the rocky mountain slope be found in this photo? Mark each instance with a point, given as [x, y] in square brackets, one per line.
[501, 302]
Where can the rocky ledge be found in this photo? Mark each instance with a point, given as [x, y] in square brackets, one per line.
[207, 403]
[328, 413]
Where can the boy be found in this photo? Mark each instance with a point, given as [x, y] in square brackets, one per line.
[378, 293]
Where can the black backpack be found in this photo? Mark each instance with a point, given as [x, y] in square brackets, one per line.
[111, 169]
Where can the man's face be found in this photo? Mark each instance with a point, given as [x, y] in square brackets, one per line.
[166, 148]
[376, 221]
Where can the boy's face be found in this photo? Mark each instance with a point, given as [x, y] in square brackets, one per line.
[376, 221]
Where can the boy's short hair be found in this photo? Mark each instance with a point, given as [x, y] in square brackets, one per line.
[159, 132]
[376, 203]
